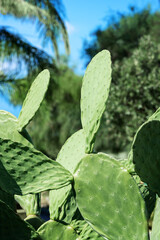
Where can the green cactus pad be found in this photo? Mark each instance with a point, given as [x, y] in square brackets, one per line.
[8, 129]
[85, 231]
[33, 99]
[155, 234]
[62, 201]
[52, 230]
[8, 199]
[25, 170]
[30, 203]
[12, 227]
[94, 94]
[109, 199]
[34, 220]
[72, 151]
[62, 204]
[146, 156]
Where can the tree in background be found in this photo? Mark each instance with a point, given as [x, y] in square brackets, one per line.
[134, 96]
[48, 16]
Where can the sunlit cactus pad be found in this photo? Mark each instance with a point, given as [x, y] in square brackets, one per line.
[25, 170]
[33, 99]
[52, 230]
[94, 94]
[72, 151]
[109, 199]
[155, 235]
[146, 154]
[12, 227]
[8, 128]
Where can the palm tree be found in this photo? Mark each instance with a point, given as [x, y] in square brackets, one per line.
[49, 16]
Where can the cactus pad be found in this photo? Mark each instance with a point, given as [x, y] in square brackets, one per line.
[155, 234]
[55, 230]
[12, 227]
[8, 199]
[146, 156]
[72, 151]
[94, 94]
[109, 199]
[30, 203]
[62, 204]
[25, 170]
[8, 128]
[33, 99]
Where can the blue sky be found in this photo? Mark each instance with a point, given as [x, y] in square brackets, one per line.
[82, 18]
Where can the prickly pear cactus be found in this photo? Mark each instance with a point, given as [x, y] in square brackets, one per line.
[8, 129]
[94, 94]
[62, 204]
[39, 172]
[33, 99]
[146, 156]
[55, 230]
[8, 199]
[62, 201]
[109, 199]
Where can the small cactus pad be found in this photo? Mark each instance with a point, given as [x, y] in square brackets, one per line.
[30, 203]
[34, 220]
[8, 129]
[12, 227]
[62, 204]
[52, 230]
[109, 199]
[62, 201]
[155, 234]
[94, 94]
[85, 231]
[25, 170]
[72, 151]
[33, 99]
[146, 156]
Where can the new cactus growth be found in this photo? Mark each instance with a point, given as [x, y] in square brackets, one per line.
[92, 196]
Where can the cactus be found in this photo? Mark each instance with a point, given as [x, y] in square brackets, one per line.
[109, 199]
[25, 170]
[55, 230]
[155, 235]
[33, 99]
[145, 150]
[94, 94]
[62, 201]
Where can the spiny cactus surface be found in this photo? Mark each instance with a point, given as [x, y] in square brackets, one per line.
[146, 156]
[94, 94]
[25, 170]
[109, 199]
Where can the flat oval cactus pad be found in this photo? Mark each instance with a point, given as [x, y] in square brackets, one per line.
[109, 199]
[33, 99]
[94, 94]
